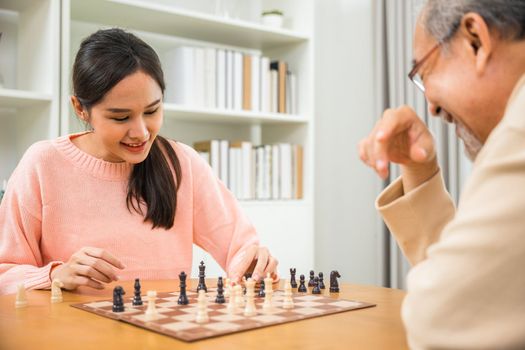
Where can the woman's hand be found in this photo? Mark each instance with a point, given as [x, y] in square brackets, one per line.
[87, 267]
[257, 258]
[401, 137]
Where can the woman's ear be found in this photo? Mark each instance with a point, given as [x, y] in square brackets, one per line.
[476, 33]
[79, 109]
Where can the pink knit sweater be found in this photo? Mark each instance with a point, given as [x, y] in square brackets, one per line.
[60, 199]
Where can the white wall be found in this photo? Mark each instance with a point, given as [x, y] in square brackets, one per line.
[346, 229]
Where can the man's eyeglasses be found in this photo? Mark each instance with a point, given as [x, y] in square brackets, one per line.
[414, 76]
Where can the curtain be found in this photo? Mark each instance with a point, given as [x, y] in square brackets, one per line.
[394, 23]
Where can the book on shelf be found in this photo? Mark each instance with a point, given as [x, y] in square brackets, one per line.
[212, 148]
[256, 172]
[228, 79]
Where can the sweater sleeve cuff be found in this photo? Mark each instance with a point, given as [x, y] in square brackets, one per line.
[417, 218]
[40, 278]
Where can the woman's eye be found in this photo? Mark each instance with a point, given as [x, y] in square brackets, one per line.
[120, 119]
[152, 112]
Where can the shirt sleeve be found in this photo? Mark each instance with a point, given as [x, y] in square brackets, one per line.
[20, 231]
[220, 226]
[416, 219]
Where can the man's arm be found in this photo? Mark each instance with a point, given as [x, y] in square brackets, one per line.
[416, 219]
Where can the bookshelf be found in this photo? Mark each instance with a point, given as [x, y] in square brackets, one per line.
[41, 93]
[29, 95]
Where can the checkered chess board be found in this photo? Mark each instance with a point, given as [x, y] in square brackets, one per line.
[178, 321]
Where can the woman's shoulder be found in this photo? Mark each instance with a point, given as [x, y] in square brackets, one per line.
[39, 151]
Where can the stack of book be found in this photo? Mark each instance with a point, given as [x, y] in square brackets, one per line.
[256, 172]
[226, 79]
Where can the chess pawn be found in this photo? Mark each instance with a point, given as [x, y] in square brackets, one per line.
[202, 312]
[21, 299]
[56, 291]
[316, 289]
[311, 281]
[250, 309]
[302, 287]
[321, 281]
[288, 300]
[151, 311]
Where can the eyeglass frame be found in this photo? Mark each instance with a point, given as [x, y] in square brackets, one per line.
[417, 65]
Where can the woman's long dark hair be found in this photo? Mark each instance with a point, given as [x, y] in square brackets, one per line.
[104, 59]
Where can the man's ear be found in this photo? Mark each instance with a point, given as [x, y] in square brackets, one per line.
[477, 36]
[79, 109]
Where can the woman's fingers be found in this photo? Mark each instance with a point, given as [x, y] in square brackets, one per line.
[262, 261]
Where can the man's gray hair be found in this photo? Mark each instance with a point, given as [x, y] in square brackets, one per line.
[442, 18]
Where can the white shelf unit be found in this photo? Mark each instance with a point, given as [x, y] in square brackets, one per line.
[283, 225]
[29, 67]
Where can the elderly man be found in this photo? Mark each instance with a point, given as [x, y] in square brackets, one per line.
[466, 288]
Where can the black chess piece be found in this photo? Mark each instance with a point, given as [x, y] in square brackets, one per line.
[261, 290]
[183, 298]
[137, 299]
[202, 275]
[118, 303]
[316, 289]
[311, 281]
[220, 292]
[334, 286]
[293, 282]
[321, 281]
[302, 287]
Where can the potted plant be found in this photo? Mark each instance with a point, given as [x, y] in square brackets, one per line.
[273, 18]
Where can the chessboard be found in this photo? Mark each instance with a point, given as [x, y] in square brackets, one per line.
[178, 321]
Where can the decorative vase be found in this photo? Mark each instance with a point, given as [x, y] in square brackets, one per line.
[272, 20]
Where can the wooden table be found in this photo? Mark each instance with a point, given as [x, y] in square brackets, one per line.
[42, 325]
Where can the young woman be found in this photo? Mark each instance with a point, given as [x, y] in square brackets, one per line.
[118, 201]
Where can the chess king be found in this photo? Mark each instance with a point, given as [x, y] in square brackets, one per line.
[119, 201]
[463, 290]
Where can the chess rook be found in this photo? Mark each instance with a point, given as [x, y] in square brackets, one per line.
[293, 282]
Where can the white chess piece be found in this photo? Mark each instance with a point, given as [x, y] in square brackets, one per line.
[232, 308]
[239, 298]
[56, 291]
[250, 309]
[227, 289]
[202, 312]
[151, 311]
[288, 301]
[268, 293]
[21, 299]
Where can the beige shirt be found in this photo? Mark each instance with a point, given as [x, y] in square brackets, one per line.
[466, 289]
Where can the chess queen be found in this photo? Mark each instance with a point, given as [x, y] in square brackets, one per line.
[118, 201]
